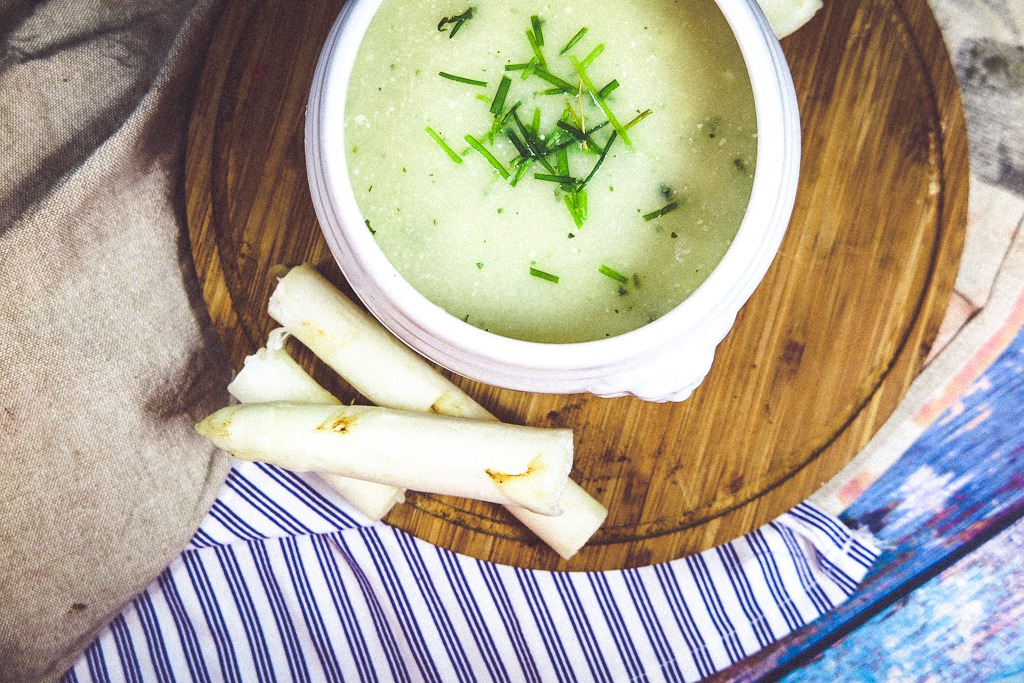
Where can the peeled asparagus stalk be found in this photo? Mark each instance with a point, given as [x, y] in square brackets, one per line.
[390, 374]
[271, 374]
[491, 461]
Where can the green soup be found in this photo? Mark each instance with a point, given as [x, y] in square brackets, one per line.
[545, 193]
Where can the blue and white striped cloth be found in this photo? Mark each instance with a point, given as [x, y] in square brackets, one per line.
[282, 582]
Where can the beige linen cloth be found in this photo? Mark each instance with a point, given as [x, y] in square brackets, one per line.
[106, 359]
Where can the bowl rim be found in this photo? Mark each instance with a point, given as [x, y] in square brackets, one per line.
[399, 305]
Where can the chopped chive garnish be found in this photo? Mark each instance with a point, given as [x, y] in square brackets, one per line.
[475, 144]
[556, 144]
[535, 46]
[460, 79]
[594, 54]
[543, 276]
[575, 39]
[613, 274]
[566, 87]
[581, 70]
[531, 142]
[563, 162]
[495, 127]
[551, 147]
[509, 113]
[498, 105]
[671, 206]
[535, 21]
[528, 71]
[523, 150]
[600, 160]
[528, 136]
[561, 179]
[522, 171]
[455, 29]
[607, 90]
[457, 21]
[444, 145]
[573, 131]
[573, 211]
[640, 117]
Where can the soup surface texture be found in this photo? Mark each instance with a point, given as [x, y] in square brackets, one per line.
[582, 225]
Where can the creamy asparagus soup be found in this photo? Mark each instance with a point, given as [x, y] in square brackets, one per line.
[557, 172]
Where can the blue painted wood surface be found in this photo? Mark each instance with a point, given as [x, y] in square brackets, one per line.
[960, 485]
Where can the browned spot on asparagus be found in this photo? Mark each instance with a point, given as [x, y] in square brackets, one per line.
[505, 477]
[339, 426]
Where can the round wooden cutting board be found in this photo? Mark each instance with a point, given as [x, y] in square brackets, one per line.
[816, 362]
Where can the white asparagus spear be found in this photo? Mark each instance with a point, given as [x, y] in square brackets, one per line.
[361, 350]
[271, 374]
[390, 374]
[491, 461]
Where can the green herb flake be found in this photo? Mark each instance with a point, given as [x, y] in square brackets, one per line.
[456, 21]
[613, 274]
[600, 160]
[479, 265]
[447, 150]
[671, 206]
[582, 71]
[562, 85]
[543, 276]
[509, 113]
[369, 227]
[573, 131]
[594, 54]
[561, 179]
[536, 23]
[475, 144]
[575, 39]
[528, 71]
[608, 89]
[573, 210]
[639, 117]
[521, 172]
[498, 105]
[535, 46]
[460, 79]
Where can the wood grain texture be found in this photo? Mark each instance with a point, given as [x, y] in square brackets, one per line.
[817, 360]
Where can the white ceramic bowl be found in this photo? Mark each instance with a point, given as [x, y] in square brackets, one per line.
[662, 361]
